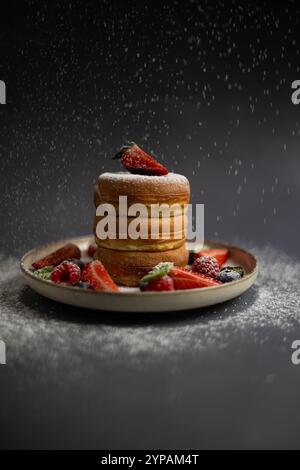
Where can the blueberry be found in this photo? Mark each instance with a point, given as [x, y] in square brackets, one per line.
[237, 269]
[191, 258]
[78, 263]
[228, 275]
[83, 285]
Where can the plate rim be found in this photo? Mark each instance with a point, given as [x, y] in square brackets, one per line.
[27, 273]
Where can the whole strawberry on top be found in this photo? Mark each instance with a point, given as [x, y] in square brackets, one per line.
[138, 162]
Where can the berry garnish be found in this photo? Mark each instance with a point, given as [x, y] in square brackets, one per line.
[54, 259]
[164, 284]
[99, 279]
[66, 273]
[84, 273]
[138, 162]
[78, 262]
[184, 280]
[92, 250]
[44, 273]
[230, 274]
[83, 285]
[191, 257]
[206, 265]
[237, 269]
[161, 270]
[221, 255]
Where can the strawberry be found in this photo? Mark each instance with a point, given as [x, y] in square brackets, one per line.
[184, 280]
[57, 257]
[162, 284]
[99, 279]
[221, 255]
[138, 162]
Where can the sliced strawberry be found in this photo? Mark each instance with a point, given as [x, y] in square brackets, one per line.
[221, 255]
[99, 279]
[184, 280]
[163, 284]
[138, 162]
[54, 259]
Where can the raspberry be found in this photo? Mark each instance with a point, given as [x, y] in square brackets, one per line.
[66, 273]
[206, 265]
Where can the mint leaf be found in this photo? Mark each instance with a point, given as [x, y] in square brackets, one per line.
[44, 273]
[161, 270]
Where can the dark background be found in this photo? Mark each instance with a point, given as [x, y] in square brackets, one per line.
[205, 86]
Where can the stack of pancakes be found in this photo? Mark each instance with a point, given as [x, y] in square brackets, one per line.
[127, 259]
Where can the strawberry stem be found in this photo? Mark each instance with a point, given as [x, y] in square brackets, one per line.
[124, 149]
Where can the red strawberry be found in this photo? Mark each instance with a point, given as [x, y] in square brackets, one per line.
[184, 280]
[163, 284]
[221, 255]
[54, 259]
[99, 279]
[66, 272]
[138, 162]
[92, 250]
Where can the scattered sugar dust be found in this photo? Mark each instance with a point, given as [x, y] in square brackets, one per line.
[35, 327]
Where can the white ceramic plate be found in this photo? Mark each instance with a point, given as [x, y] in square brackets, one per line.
[132, 300]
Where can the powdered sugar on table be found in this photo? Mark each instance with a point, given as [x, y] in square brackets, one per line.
[35, 327]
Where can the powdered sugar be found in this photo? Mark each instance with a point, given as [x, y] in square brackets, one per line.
[171, 178]
[37, 328]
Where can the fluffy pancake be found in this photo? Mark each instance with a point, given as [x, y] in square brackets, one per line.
[140, 245]
[147, 190]
[128, 267]
[128, 259]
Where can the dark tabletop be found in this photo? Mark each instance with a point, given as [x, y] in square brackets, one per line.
[207, 88]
